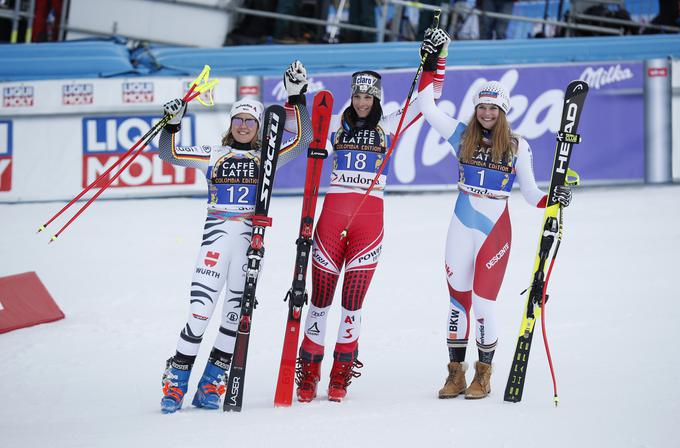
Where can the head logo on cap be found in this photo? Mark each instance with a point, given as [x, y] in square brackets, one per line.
[493, 92]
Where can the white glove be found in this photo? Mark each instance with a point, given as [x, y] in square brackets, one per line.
[177, 108]
[295, 79]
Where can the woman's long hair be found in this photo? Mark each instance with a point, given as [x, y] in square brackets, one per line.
[503, 142]
[228, 139]
[370, 122]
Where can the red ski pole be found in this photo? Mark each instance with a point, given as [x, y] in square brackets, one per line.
[97, 181]
[198, 86]
[343, 234]
[156, 129]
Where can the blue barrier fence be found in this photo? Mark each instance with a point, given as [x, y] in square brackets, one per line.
[106, 58]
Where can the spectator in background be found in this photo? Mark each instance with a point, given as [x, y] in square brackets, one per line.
[285, 31]
[290, 32]
[361, 12]
[491, 27]
[249, 29]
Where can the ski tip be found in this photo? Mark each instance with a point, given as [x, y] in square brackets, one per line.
[54, 238]
[41, 228]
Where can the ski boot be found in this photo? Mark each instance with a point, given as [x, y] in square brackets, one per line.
[481, 385]
[210, 388]
[342, 374]
[175, 384]
[455, 382]
[307, 375]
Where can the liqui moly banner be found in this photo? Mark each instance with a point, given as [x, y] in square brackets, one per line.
[5, 155]
[612, 147]
[120, 95]
[107, 139]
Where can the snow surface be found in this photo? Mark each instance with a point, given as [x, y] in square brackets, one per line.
[121, 275]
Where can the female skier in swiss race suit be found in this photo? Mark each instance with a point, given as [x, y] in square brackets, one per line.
[232, 171]
[490, 158]
[361, 137]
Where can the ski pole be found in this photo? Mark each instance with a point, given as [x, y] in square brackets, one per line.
[151, 134]
[572, 179]
[543, 299]
[198, 86]
[397, 134]
[95, 182]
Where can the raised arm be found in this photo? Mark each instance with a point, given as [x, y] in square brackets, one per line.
[448, 127]
[298, 118]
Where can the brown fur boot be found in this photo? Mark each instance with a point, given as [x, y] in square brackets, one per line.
[481, 385]
[455, 382]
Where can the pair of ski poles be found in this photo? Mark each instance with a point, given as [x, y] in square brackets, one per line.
[200, 85]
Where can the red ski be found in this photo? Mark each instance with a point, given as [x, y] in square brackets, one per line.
[297, 295]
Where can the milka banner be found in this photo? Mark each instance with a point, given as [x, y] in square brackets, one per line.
[612, 148]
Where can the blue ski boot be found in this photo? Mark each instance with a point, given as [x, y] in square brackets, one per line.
[212, 384]
[175, 384]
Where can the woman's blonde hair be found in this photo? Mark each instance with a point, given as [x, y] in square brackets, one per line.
[228, 139]
[503, 142]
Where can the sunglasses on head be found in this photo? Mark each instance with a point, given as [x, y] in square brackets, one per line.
[238, 121]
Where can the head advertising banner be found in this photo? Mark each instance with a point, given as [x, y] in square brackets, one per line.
[612, 148]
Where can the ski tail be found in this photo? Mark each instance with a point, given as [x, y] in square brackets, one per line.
[551, 232]
[297, 295]
[274, 120]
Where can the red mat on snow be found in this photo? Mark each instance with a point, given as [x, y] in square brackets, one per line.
[24, 301]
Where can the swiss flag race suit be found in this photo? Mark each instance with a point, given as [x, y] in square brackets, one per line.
[479, 238]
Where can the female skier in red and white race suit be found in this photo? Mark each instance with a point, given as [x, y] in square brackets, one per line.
[491, 158]
[232, 171]
[361, 137]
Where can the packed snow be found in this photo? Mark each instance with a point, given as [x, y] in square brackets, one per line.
[121, 275]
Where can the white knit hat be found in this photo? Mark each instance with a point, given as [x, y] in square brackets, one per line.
[250, 107]
[493, 92]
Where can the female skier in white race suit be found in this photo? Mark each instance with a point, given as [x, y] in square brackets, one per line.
[232, 171]
[490, 158]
